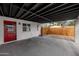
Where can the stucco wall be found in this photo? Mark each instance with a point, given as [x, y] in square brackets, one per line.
[20, 34]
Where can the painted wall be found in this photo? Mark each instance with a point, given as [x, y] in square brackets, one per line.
[20, 34]
[77, 32]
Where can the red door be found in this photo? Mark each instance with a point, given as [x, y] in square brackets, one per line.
[9, 31]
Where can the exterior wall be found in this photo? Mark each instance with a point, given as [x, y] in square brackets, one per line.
[77, 32]
[20, 34]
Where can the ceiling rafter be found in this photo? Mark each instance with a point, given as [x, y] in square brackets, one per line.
[10, 9]
[70, 10]
[54, 8]
[40, 16]
[20, 10]
[61, 9]
[40, 10]
[37, 15]
[29, 10]
[70, 14]
[51, 9]
[1, 11]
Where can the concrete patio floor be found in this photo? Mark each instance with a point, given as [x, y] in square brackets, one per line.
[39, 46]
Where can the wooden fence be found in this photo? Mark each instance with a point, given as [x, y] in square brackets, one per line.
[67, 31]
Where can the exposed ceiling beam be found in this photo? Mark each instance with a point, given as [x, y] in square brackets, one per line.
[71, 14]
[36, 5]
[54, 8]
[6, 9]
[39, 15]
[51, 9]
[10, 9]
[1, 11]
[61, 9]
[40, 10]
[70, 10]
[20, 10]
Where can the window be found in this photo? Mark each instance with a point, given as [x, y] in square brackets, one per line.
[26, 27]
